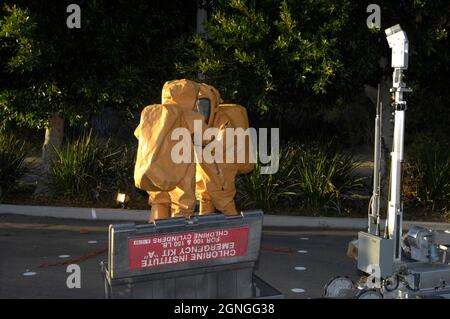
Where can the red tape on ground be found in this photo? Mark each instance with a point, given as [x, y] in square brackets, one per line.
[76, 260]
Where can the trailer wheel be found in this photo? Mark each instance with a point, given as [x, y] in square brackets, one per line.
[335, 285]
[369, 294]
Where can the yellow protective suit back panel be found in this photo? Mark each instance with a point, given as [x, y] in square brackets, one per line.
[237, 115]
[154, 169]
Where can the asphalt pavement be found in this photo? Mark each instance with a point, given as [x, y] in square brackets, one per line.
[36, 251]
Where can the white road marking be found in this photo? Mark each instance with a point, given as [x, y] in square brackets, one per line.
[29, 273]
[304, 238]
[92, 242]
[300, 268]
[302, 251]
[64, 256]
[93, 213]
[298, 290]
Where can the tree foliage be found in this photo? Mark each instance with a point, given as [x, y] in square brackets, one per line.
[295, 62]
[262, 52]
[120, 57]
[299, 60]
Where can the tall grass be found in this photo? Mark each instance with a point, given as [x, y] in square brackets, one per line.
[87, 168]
[269, 191]
[122, 178]
[429, 175]
[325, 176]
[12, 155]
[315, 178]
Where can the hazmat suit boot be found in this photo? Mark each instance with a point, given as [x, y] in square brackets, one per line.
[183, 196]
[155, 170]
[160, 205]
[205, 202]
[216, 191]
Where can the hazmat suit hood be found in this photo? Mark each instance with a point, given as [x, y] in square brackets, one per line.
[180, 92]
[207, 102]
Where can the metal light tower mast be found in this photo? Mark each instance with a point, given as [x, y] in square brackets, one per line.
[398, 42]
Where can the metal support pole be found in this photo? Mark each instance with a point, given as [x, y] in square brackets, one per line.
[395, 210]
[202, 17]
[374, 218]
[398, 42]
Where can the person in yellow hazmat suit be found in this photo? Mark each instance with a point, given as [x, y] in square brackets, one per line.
[215, 182]
[170, 185]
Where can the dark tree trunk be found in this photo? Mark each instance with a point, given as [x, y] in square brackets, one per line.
[54, 134]
[201, 30]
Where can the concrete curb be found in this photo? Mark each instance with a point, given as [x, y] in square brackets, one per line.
[130, 215]
[76, 212]
[338, 223]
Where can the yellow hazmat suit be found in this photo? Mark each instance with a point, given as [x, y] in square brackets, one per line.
[170, 185]
[215, 182]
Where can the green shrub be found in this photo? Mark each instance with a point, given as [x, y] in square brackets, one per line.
[122, 178]
[325, 175]
[12, 155]
[87, 168]
[268, 190]
[429, 175]
[309, 177]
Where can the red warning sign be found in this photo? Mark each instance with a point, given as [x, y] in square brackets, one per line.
[197, 246]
